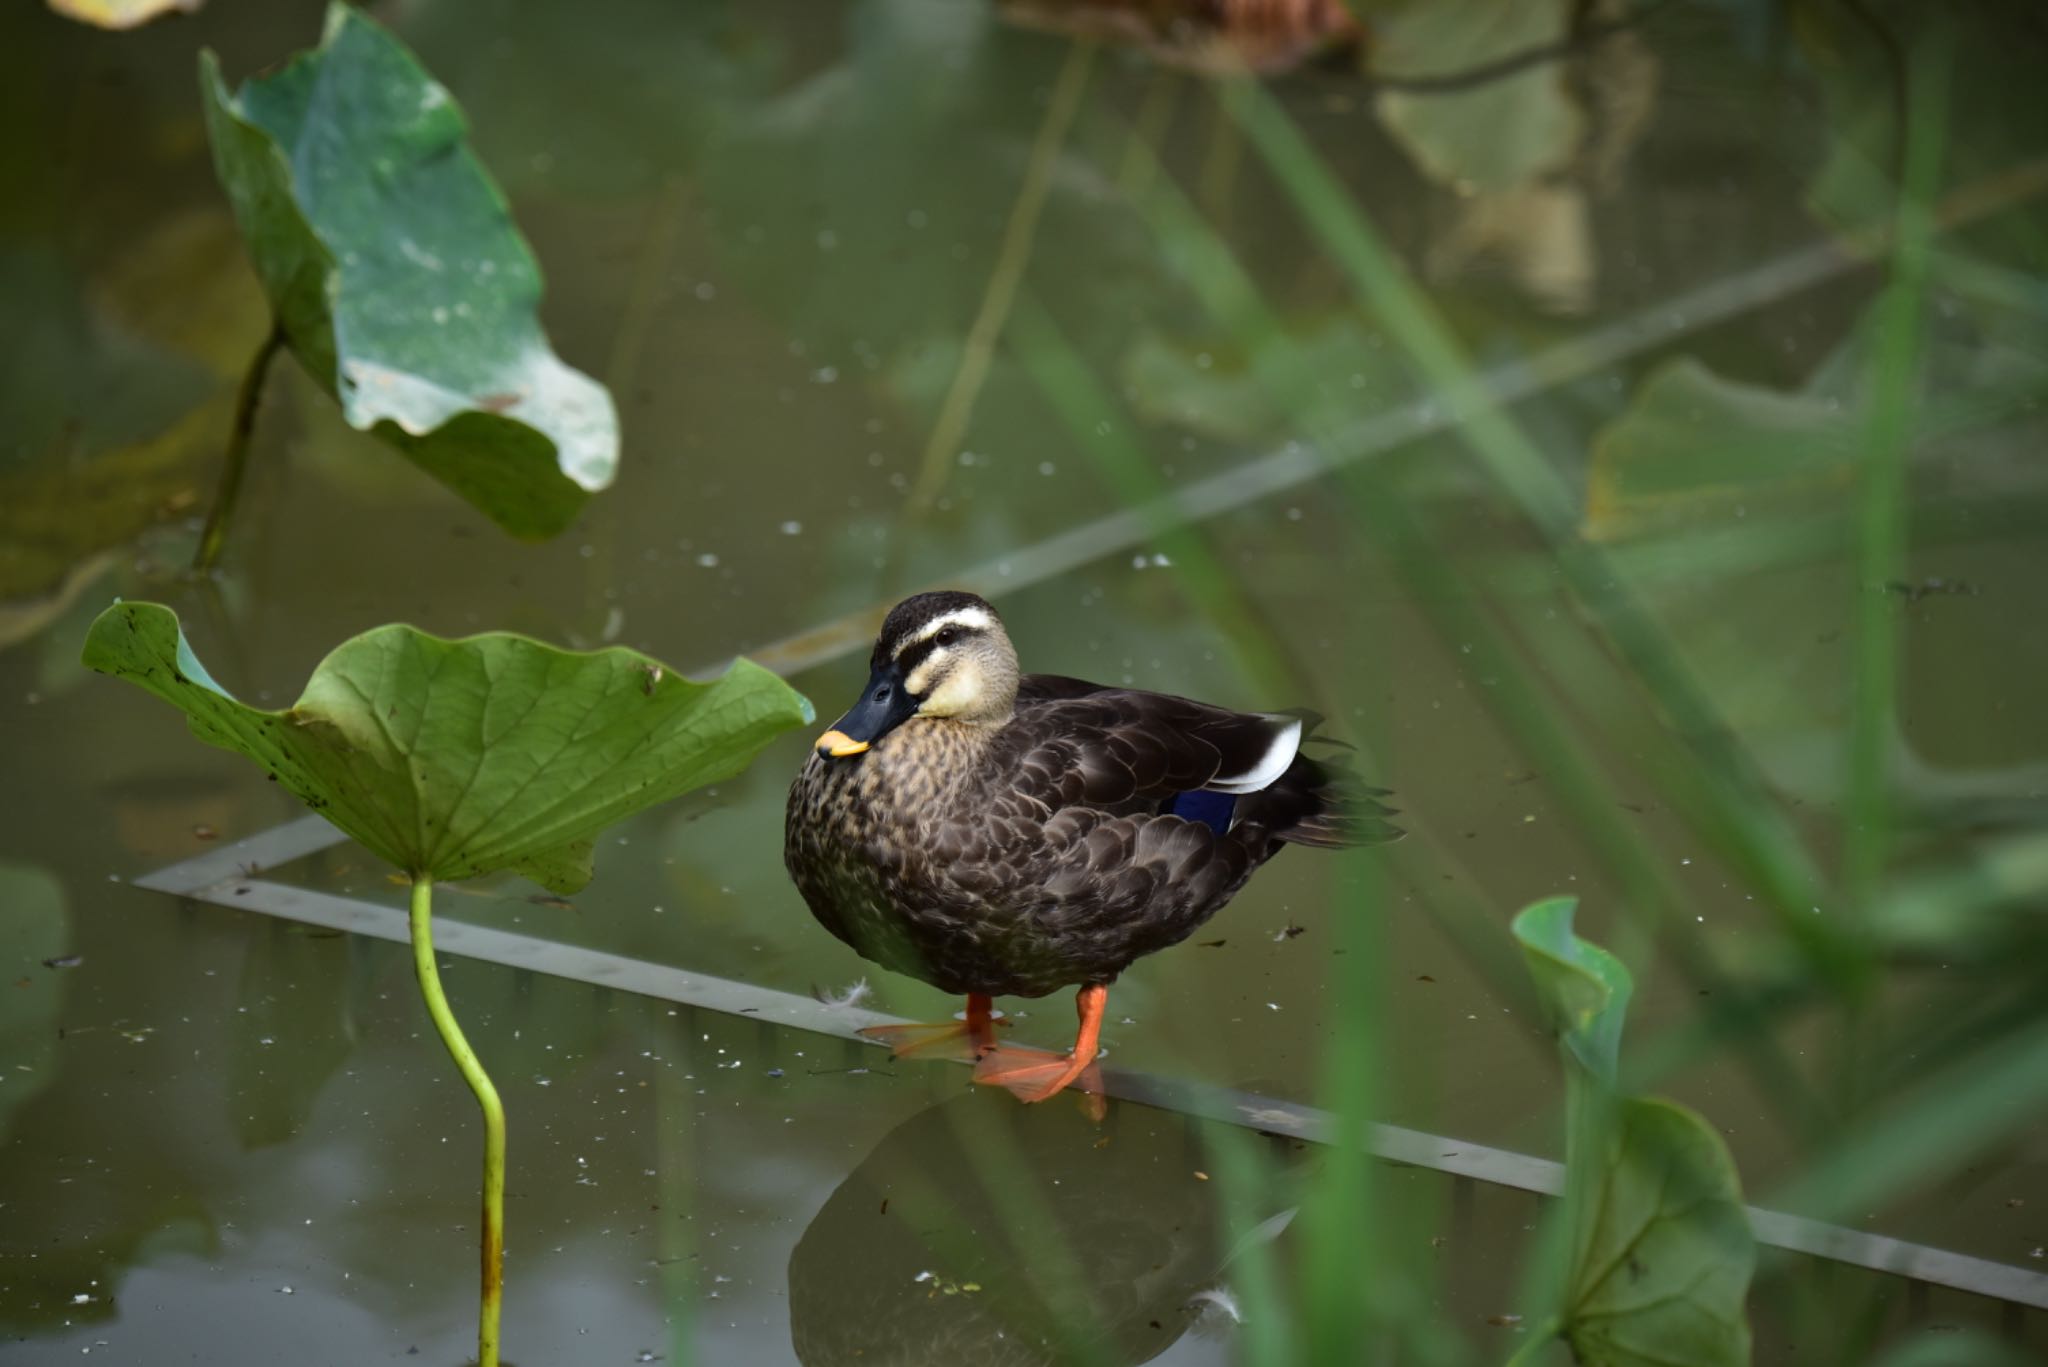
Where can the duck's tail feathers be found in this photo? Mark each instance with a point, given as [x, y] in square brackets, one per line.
[1320, 802]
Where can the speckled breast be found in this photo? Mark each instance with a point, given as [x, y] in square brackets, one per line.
[857, 842]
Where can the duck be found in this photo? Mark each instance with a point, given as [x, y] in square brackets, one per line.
[997, 834]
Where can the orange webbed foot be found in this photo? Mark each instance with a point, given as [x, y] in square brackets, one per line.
[966, 1039]
[1034, 1074]
[930, 1039]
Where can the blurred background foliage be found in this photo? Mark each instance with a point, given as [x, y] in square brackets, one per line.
[1623, 419]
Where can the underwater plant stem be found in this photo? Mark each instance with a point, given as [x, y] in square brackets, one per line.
[1012, 257]
[246, 399]
[494, 1118]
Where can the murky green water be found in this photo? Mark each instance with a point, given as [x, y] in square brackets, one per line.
[769, 228]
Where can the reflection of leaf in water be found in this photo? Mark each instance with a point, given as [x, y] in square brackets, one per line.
[1541, 233]
[394, 268]
[863, 207]
[1495, 135]
[292, 1029]
[120, 407]
[1214, 390]
[119, 14]
[1700, 486]
[1693, 444]
[977, 1232]
[34, 928]
[566, 106]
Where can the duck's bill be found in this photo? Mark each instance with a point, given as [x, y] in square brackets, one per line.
[884, 705]
[839, 745]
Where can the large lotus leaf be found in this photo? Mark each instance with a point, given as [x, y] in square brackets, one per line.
[33, 927]
[1583, 987]
[453, 759]
[1495, 134]
[1661, 1270]
[395, 270]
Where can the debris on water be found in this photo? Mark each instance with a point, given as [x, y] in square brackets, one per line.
[64, 961]
[1221, 1300]
[853, 994]
[1288, 932]
[1504, 1321]
[1210, 944]
[775, 1072]
[1930, 587]
[204, 832]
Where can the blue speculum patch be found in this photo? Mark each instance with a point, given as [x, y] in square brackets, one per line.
[1211, 809]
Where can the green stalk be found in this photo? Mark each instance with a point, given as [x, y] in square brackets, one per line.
[246, 399]
[977, 353]
[494, 1118]
[1881, 531]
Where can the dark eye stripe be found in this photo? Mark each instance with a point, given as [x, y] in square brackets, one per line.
[914, 656]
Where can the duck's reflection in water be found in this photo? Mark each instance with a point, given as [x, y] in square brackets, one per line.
[983, 1231]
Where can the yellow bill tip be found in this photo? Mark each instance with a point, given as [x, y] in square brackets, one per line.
[839, 745]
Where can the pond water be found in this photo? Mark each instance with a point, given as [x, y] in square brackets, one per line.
[770, 229]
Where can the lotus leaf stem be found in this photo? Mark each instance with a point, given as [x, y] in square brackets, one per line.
[494, 1118]
[246, 400]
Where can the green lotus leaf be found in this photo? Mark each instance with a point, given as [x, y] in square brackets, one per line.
[1584, 988]
[1661, 1270]
[453, 759]
[399, 279]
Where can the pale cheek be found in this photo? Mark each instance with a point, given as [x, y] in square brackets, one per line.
[956, 694]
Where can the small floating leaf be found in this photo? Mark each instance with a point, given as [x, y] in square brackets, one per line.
[401, 282]
[458, 758]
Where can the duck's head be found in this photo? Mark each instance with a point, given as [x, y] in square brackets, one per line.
[939, 655]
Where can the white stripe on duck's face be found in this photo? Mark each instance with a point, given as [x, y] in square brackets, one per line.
[961, 619]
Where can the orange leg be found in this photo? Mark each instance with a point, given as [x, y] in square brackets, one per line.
[1034, 1074]
[966, 1040]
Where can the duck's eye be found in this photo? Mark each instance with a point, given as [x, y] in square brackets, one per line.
[947, 635]
[882, 692]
